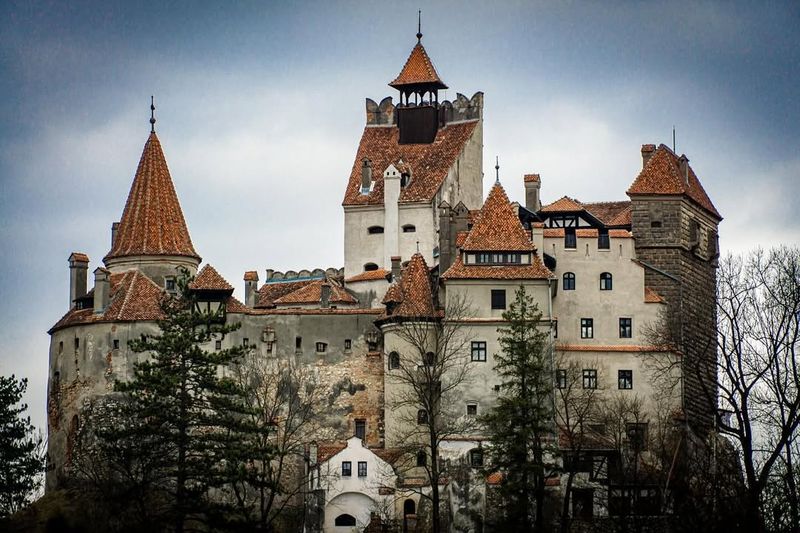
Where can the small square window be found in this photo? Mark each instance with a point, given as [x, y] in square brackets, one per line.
[322, 347]
[472, 409]
[625, 379]
[116, 344]
[298, 343]
[170, 285]
[625, 328]
[587, 328]
[422, 458]
[347, 468]
[589, 378]
[476, 458]
[348, 344]
[362, 469]
[218, 345]
[561, 378]
[479, 350]
[246, 342]
[361, 428]
[498, 299]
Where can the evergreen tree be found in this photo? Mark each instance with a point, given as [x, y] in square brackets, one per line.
[21, 456]
[184, 407]
[520, 426]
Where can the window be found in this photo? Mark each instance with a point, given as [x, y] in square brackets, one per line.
[479, 350]
[561, 378]
[476, 457]
[77, 343]
[169, 284]
[555, 329]
[429, 359]
[569, 281]
[625, 328]
[422, 416]
[394, 360]
[712, 243]
[655, 224]
[344, 520]
[605, 281]
[498, 299]
[218, 345]
[347, 468]
[61, 347]
[637, 435]
[374, 230]
[322, 347]
[348, 344]
[569, 238]
[246, 342]
[369, 267]
[422, 458]
[589, 378]
[298, 344]
[362, 469]
[472, 409]
[625, 379]
[582, 503]
[603, 242]
[487, 258]
[587, 328]
[116, 344]
[361, 428]
[409, 228]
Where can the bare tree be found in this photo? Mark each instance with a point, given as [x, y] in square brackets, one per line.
[758, 306]
[429, 372]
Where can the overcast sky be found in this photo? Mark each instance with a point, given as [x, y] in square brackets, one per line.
[260, 107]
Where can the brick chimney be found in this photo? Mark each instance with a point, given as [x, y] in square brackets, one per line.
[396, 268]
[683, 162]
[250, 288]
[647, 152]
[366, 175]
[532, 186]
[102, 289]
[78, 268]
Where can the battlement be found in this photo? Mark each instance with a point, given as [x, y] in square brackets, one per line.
[458, 110]
[275, 276]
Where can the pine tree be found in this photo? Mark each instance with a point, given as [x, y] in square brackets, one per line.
[184, 407]
[21, 457]
[520, 426]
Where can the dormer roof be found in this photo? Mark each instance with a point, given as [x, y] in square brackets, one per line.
[413, 294]
[418, 70]
[662, 176]
[210, 280]
[152, 222]
[497, 227]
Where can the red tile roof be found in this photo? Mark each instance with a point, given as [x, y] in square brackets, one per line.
[210, 280]
[369, 275]
[531, 177]
[652, 297]
[152, 222]
[413, 294]
[418, 69]
[609, 212]
[430, 162]
[269, 292]
[312, 294]
[328, 450]
[79, 256]
[563, 204]
[536, 270]
[497, 227]
[662, 176]
[251, 275]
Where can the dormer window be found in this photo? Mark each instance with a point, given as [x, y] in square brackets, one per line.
[501, 258]
[369, 267]
[374, 230]
[405, 179]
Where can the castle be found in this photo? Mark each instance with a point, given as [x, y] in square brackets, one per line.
[418, 235]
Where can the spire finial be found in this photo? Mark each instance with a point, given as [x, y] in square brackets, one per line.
[417, 246]
[419, 25]
[152, 115]
[497, 170]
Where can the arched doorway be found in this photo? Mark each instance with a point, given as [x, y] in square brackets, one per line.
[409, 515]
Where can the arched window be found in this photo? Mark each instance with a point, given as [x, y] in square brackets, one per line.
[605, 281]
[422, 458]
[345, 520]
[422, 416]
[409, 228]
[372, 230]
[409, 507]
[394, 360]
[369, 267]
[429, 359]
[569, 281]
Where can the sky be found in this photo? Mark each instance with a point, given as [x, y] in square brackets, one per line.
[260, 107]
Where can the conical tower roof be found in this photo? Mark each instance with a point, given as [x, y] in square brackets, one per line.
[418, 70]
[152, 223]
[413, 295]
[498, 227]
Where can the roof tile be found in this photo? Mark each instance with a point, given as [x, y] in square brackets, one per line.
[497, 227]
[312, 294]
[418, 69]
[210, 280]
[413, 294]
[369, 275]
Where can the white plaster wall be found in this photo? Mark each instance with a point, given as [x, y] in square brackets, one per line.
[423, 217]
[359, 246]
[478, 294]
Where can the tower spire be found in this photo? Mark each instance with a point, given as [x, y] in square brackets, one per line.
[497, 170]
[152, 115]
[419, 25]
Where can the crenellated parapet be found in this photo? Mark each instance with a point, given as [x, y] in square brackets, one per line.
[458, 110]
[304, 274]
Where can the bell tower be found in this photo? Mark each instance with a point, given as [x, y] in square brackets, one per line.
[418, 110]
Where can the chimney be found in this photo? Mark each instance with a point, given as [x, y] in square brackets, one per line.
[114, 228]
[366, 175]
[78, 267]
[250, 288]
[684, 166]
[532, 185]
[325, 297]
[444, 236]
[396, 268]
[537, 237]
[647, 152]
[102, 289]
